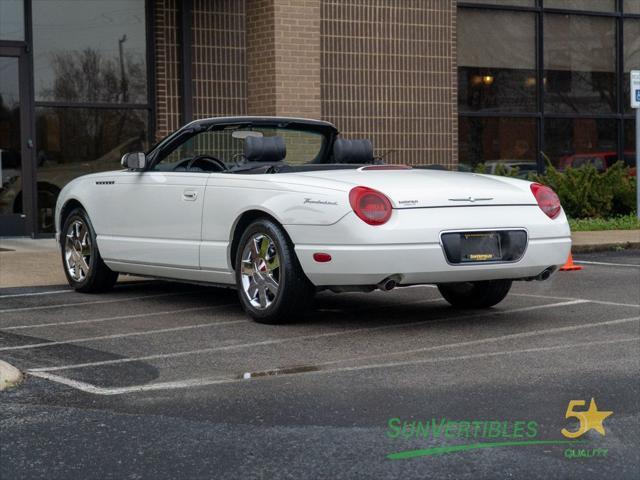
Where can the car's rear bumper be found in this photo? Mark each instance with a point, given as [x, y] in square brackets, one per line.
[549, 244]
[369, 265]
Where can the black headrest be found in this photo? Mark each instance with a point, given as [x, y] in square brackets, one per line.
[264, 149]
[352, 151]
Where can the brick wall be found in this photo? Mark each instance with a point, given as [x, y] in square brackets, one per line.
[388, 73]
[377, 69]
[283, 50]
[219, 58]
[261, 57]
[167, 67]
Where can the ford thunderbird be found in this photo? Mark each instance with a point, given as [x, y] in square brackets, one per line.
[281, 208]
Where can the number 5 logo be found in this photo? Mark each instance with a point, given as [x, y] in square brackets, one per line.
[587, 419]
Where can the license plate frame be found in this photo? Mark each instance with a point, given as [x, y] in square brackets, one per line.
[512, 246]
[480, 247]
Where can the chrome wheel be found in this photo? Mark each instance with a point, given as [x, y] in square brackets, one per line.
[77, 250]
[260, 271]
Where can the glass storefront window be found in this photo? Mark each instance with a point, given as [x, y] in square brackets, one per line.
[11, 19]
[486, 143]
[579, 63]
[10, 150]
[587, 5]
[630, 143]
[581, 141]
[496, 61]
[77, 141]
[631, 6]
[631, 55]
[510, 3]
[90, 51]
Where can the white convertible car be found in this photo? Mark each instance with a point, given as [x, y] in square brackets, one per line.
[283, 207]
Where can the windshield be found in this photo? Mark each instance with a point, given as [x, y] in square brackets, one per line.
[227, 145]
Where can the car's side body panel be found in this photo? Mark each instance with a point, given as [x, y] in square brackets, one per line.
[150, 218]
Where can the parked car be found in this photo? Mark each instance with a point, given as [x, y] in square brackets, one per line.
[600, 160]
[281, 208]
[525, 167]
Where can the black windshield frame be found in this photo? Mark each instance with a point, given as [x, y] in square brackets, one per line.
[173, 141]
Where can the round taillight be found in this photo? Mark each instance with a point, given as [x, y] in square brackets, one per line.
[547, 199]
[370, 205]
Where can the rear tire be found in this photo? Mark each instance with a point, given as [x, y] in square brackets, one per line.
[272, 287]
[83, 266]
[475, 294]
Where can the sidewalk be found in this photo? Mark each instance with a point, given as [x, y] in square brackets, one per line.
[25, 262]
[605, 240]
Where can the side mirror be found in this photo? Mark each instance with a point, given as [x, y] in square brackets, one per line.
[134, 160]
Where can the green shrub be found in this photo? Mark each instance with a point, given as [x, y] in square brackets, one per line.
[586, 193]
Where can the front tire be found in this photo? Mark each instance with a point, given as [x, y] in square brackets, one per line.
[272, 287]
[475, 294]
[84, 268]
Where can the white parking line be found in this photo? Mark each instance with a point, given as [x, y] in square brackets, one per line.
[118, 335]
[121, 317]
[70, 290]
[79, 304]
[599, 302]
[299, 337]
[202, 382]
[607, 264]
[510, 336]
[49, 292]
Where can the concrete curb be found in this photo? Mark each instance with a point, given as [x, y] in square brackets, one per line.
[602, 240]
[10, 376]
[603, 247]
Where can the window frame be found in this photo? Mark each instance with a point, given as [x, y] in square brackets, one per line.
[149, 106]
[620, 115]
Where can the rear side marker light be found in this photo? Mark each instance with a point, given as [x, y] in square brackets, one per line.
[322, 257]
[547, 199]
[370, 205]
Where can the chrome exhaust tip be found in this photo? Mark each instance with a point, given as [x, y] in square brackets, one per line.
[389, 283]
[546, 273]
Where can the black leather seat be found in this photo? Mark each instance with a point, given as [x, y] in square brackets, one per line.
[352, 151]
[264, 149]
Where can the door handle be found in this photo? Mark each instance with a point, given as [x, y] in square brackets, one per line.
[189, 195]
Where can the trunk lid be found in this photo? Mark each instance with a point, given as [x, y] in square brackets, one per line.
[420, 188]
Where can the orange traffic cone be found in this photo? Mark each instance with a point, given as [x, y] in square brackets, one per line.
[570, 266]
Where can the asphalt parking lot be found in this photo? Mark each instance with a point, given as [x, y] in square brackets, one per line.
[165, 380]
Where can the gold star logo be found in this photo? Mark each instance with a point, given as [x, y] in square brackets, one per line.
[594, 417]
[589, 419]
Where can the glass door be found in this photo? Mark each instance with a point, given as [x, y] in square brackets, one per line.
[15, 144]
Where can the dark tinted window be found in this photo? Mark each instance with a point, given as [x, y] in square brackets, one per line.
[581, 141]
[496, 61]
[90, 50]
[77, 141]
[592, 5]
[11, 19]
[493, 141]
[631, 55]
[632, 6]
[579, 61]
